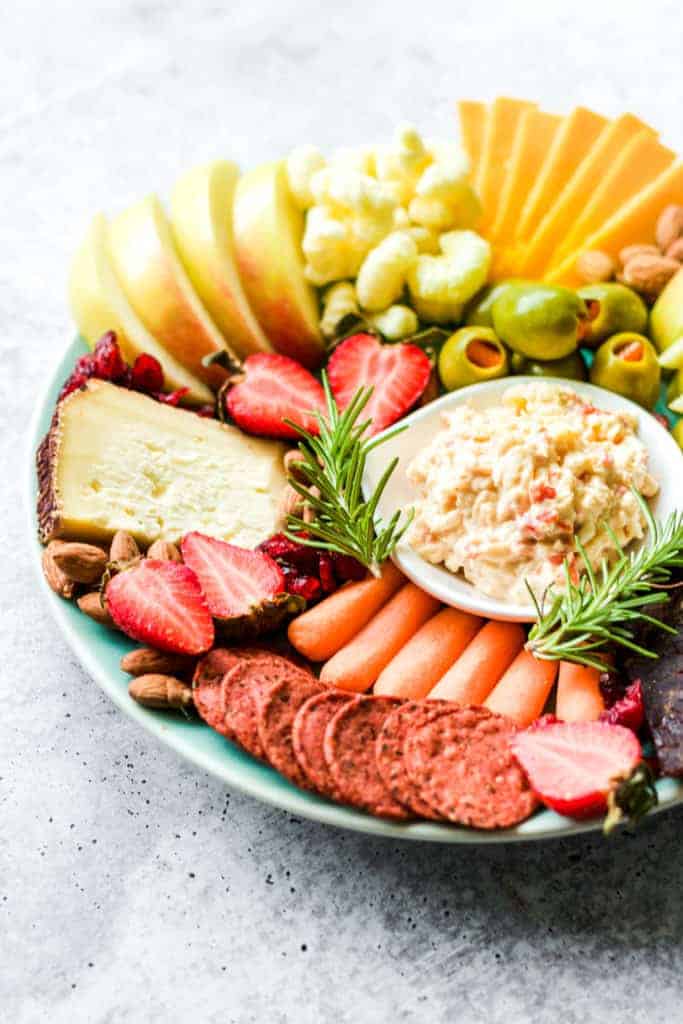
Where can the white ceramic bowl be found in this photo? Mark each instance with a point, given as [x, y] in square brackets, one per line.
[666, 464]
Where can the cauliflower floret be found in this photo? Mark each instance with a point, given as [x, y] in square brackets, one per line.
[328, 247]
[425, 239]
[396, 322]
[382, 277]
[441, 285]
[301, 164]
[339, 301]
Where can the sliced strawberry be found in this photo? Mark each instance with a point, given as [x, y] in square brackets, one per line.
[161, 604]
[274, 388]
[398, 374]
[573, 766]
[233, 579]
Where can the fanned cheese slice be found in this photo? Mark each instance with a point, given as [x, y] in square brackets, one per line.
[472, 115]
[576, 137]
[117, 460]
[640, 162]
[578, 191]
[534, 138]
[499, 137]
[633, 223]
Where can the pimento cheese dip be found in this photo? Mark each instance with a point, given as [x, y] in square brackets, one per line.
[503, 492]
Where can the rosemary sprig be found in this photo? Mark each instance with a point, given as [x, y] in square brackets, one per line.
[333, 463]
[605, 607]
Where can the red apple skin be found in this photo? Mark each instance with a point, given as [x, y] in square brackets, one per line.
[268, 229]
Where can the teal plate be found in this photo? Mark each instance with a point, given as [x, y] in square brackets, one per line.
[100, 651]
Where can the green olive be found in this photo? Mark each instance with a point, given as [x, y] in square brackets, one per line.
[627, 364]
[539, 321]
[675, 386]
[572, 367]
[612, 308]
[677, 433]
[471, 355]
[479, 311]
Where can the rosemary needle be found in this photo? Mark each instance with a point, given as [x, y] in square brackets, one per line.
[605, 607]
[329, 477]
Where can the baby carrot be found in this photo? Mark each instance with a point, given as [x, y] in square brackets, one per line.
[578, 693]
[357, 665]
[322, 631]
[412, 672]
[472, 677]
[523, 690]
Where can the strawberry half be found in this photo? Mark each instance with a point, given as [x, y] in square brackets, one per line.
[573, 767]
[244, 589]
[270, 389]
[398, 374]
[161, 604]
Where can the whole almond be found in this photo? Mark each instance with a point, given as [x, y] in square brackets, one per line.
[144, 660]
[83, 563]
[675, 251]
[123, 548]
[161, 692]
[628, 252]
[669, 226]
[594, 265]
[91, 605]
[290, 460]
[164, 551]
[649, 274]
[291, 503]
[57, 580]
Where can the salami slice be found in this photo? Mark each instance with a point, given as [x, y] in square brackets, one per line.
[277, 709]
[349, 748]
[206, 684]
[389, 752]
[242, 689]
[463, 767]
[308, 735]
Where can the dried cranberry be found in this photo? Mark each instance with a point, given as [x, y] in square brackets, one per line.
[612, 687]
[629, 711]
[348, 568]
[109, 363]
[286, 551]
[170, 398]
[326, 572]
[147, 374]
[304, 586]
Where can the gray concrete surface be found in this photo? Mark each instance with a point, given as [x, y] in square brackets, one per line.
[132, 887]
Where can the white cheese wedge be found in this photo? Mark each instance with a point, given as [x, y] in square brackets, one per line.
[117, 460]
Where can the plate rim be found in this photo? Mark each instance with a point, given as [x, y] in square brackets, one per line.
[296, 802]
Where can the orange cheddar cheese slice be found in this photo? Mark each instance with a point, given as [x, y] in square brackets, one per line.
[472, 116]
[576, 137]
[633, 223]
[534, 138]
[577, 192]
[499, 138]
[642, 160]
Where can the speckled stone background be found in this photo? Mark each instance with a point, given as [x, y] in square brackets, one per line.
[132, 887]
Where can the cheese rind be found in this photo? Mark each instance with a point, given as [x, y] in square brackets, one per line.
[472, 115]
[117, 460]
[640, 162]
[633, 223]
[577, 192]
[499, 138]
[576, 137]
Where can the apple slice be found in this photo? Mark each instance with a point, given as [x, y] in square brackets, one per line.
[99, 304]
[268, 230]
[201, 219]
[152, 276]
